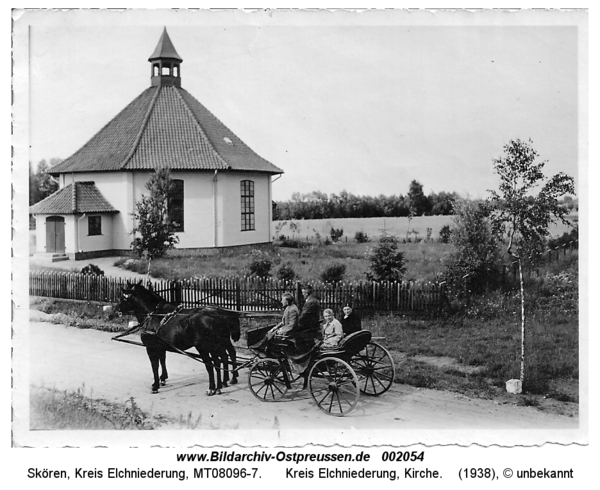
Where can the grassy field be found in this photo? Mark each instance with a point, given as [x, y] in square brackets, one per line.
[424, 261]
[401, 227]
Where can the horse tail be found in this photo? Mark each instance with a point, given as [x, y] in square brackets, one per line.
[235, 331]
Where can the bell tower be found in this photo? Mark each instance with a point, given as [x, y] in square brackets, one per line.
[165, 63]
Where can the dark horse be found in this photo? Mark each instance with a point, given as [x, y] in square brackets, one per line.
[165, 327]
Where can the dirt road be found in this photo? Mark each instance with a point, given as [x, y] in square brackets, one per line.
[68, 358]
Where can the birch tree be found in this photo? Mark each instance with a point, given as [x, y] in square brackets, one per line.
[523, 208]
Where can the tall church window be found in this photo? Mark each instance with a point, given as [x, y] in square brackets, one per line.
[176, 204]
[247, 193]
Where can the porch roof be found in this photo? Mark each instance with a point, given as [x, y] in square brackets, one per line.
[76, 198]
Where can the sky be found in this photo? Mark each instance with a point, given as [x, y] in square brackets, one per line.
[338, 101]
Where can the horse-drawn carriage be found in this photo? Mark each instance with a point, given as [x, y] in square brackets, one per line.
[335, 378]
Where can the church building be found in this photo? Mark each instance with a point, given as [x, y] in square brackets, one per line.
[223, 188]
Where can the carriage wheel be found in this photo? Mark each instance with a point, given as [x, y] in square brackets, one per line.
[375, 369]
[334, 386]
[267, 381]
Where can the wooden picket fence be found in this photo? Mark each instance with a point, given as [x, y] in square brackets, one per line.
[246, 294]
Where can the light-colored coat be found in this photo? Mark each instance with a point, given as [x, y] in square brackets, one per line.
[289, 320]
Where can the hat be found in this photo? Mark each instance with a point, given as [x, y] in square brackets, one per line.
[307, 287]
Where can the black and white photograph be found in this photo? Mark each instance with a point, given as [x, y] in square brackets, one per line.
[280, 228]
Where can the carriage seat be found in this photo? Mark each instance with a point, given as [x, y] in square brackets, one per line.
[349, 345]
[356, 341]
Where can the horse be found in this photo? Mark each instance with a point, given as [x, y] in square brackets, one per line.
[166, 327]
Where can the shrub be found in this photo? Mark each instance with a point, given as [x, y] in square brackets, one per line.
[387, 262]
[475, 262]
[336, 234]
[92, 269]
[333, 273]
[559, 293]
[445, 233]
[361, 237]
[260, 265]
[286, 273]
[287, 242]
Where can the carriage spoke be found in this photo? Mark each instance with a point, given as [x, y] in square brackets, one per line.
[337, 395]
[375, 376]
[344, 397]
[324, 396]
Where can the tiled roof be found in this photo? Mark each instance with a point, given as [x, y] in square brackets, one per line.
[165, 126]
[80, 197]
[165, 48]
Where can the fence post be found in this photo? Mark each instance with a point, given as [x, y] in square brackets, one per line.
[238, 296]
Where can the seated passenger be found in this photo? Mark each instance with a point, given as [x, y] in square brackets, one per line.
[284, 329]
[350, 321]
[332, 331]
[289, 320]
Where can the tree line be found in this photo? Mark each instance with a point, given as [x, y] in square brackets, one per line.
[41, 184]
[318, 205]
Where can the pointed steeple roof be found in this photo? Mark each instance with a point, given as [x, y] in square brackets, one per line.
[165, 48]
[165, 126]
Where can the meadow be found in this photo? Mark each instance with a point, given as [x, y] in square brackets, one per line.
[403, 228]
[424, 261]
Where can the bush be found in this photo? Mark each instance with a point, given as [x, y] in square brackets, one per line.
[287, 242]
[445, 233]
[260, 265]
[475, 263]
[361, 237]
[336, 234]
[333, 273]
[559, 293]
[92, 269]
[286, 273]
[387, 262]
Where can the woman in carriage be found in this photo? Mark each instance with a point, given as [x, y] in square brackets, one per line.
[332, 331]
[350, 320]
